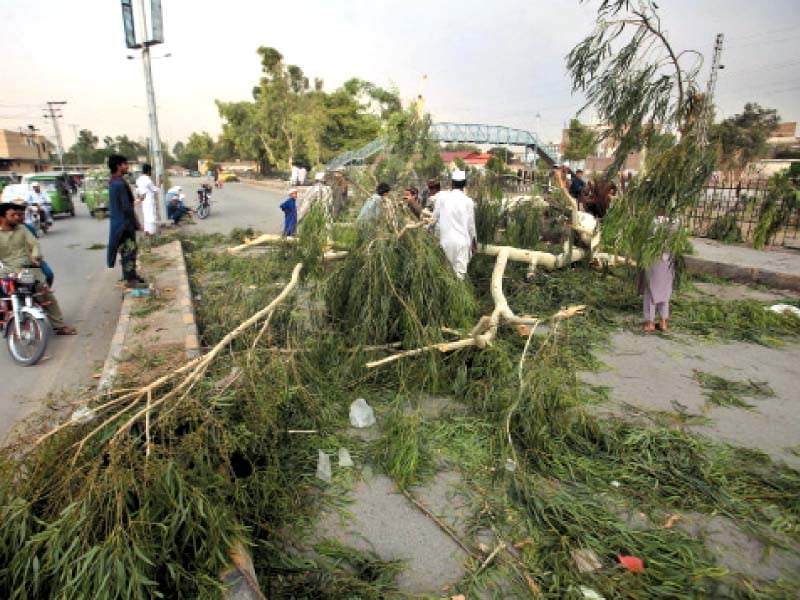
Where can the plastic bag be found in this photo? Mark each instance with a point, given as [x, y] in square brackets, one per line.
[324, 467]
[344, 458]
[361, 414]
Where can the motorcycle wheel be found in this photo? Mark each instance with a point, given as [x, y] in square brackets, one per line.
[203, 211]
[26, 349]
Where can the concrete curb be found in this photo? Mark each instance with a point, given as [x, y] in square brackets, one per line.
[117, 348]
[183, 299]
[773, 279]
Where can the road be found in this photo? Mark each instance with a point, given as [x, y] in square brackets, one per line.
[90, 298]
[236, 205]
[90, 301]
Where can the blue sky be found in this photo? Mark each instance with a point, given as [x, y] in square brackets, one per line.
[498, 62]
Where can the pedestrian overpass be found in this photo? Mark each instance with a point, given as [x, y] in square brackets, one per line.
[466, 133]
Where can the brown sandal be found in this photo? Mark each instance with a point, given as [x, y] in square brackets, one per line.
[66, 330]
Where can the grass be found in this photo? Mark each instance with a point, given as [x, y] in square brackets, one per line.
[223, 466]
[728, 393]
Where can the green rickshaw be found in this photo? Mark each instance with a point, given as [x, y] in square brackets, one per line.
[56, 185]
[95, 194]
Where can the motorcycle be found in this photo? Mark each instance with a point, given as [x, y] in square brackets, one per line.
[23, 321]
[203, 201]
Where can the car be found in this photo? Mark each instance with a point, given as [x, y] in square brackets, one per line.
[16, 191]
[226, 177]
[194, 173]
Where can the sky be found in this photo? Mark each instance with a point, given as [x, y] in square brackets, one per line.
[498, 62]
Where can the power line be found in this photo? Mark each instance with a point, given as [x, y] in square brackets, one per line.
[764, 42]
[763, 33]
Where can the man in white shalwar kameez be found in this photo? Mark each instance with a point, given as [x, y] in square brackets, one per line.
[454, 216]
[146, 191]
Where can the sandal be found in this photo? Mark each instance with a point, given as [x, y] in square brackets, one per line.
[66, 330]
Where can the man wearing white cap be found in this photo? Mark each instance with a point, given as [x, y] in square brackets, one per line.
[41, 199]
[454, 215]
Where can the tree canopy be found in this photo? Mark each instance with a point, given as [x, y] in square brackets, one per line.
[290, 121]
[742, 138]
[581, 141]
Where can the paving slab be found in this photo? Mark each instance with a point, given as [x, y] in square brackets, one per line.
[653, 372]
[773, 267]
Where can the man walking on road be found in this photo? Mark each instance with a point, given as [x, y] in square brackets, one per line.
[122, 222]
[146, 190]
[454, 216]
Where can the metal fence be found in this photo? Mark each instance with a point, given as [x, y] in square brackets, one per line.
[736, 208]
[729, 209]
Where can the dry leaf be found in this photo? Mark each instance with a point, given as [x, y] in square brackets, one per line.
[671, 521]
[523, 330]
[585, 560]
[459, 597]
[532, 585]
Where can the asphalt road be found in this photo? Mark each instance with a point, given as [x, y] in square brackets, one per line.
[235, 205]
[90, 301]
[90, 298]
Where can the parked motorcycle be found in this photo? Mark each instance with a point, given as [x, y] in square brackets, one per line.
[203, 201]
[22, 320]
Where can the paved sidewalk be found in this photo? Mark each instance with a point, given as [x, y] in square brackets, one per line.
[773, 267]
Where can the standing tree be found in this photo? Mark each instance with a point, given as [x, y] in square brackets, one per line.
[742, 138]
[640, 85]
[581, 141]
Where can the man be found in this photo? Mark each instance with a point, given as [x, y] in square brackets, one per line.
[176, 209]
[411, 197]
[289, 208]
[147, 191]
[434, 187]
[454, 216]
[19, 248]
[320, 194]
[39, 198]
[577, 184]
[122, 222]
[24, 210]
[372, 207]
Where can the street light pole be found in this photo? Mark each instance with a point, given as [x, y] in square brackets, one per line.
[155, 140]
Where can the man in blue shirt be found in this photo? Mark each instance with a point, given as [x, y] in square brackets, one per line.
[289, 208]
[123, 223]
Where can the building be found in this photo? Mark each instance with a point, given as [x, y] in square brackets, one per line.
[475, 160]
[784, 143]
[24, 151]
[604, 154]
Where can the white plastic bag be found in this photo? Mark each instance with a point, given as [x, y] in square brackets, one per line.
[324, 467]
[344, 458]
[361, 414]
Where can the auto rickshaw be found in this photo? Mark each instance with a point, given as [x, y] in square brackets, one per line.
[95, 194]
[56, 185]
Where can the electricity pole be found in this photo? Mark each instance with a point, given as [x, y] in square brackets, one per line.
[716, 65]
[151, 33]
[55, 116]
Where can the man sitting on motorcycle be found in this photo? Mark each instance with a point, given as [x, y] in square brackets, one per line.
[41, 199]
[18, 248]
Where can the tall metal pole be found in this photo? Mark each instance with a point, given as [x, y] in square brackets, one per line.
[51, 106]
[155, 140]
[716, 65]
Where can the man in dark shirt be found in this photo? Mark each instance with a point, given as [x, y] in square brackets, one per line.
[577, 184]
[122, 222]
